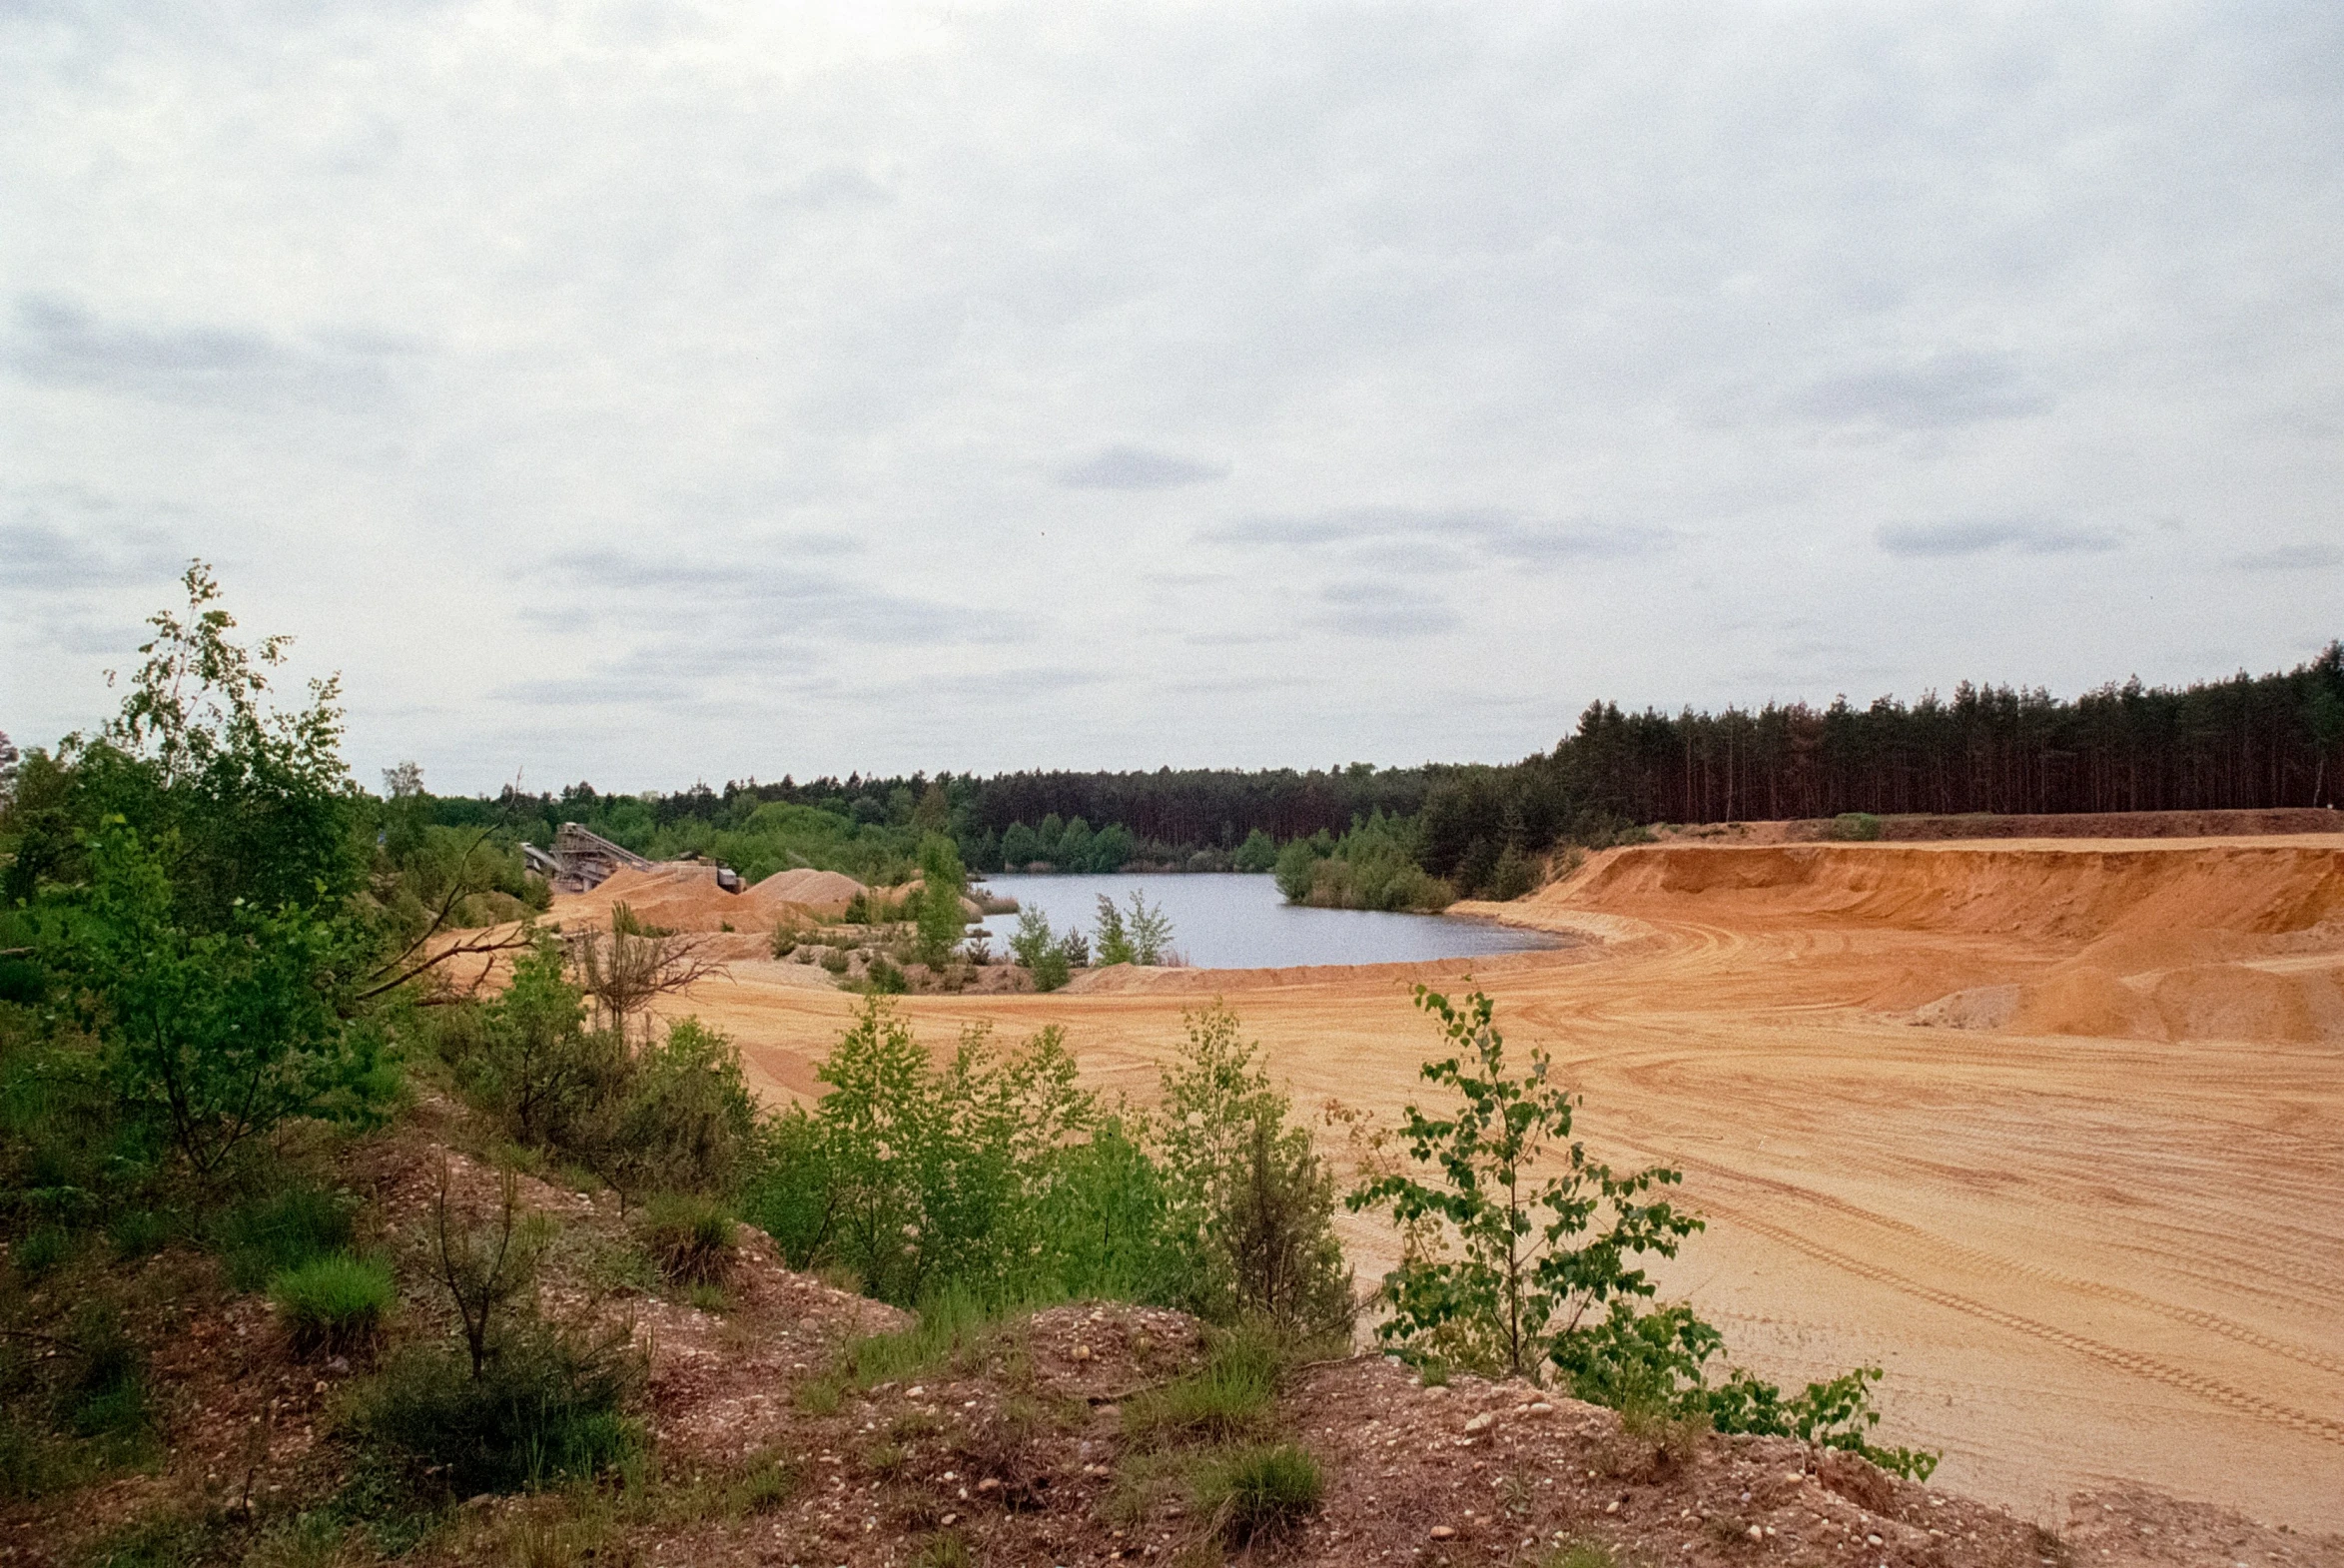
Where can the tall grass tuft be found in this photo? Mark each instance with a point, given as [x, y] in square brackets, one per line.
[1252, 1493]
[334, 1305]
[689, 1237]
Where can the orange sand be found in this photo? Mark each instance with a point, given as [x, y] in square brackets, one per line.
[2093, 1224]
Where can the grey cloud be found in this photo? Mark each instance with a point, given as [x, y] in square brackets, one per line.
[45, 557]
[1426, 532]
[733, 604]
[1375, 610]
[1137, 468]
[1938, 392]
[835, 185]
[2290, 557]
[1980, 536]
[58, 343]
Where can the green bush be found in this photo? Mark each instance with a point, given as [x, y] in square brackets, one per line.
[547, 1404]
[883, 978]
[68, 1417]
[1255, 1493]
[1855, 827]
[1257, 854]
[298, 1222]
[334, 1305]
[690, 1237]
[1249, 1201]
[41, 1252]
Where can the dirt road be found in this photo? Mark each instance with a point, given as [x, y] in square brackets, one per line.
[2101, 1236]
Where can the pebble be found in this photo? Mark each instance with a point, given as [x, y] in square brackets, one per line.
[1481, 1424]
[1756, 1533]
[1441, 1532]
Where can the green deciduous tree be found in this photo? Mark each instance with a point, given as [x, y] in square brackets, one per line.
[944, 881]
[1507, 1253]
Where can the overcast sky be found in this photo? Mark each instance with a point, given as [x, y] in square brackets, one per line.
[654, 393]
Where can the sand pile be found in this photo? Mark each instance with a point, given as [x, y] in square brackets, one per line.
[684, 896]
[824, 892]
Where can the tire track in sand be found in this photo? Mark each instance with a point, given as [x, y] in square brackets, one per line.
[2132, 1362]
[1911, 1239]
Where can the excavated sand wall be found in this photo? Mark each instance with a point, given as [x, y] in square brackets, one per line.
[2206, 941]
[2079, 891]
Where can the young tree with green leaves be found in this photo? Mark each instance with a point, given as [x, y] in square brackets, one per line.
[944, 881]
[1508, 1251]
[1249, 1202]
[1113, 939]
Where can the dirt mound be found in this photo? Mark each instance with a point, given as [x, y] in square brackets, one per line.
[2079, 893]
[824, 892]
[684, 896]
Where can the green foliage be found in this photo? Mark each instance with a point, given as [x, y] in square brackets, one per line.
[1250, 1203]
[217, 1035]
[689, 1235]
[1500, 1265]
[530, 1061]
[548, 1404]
[1659, 1360]
[1113, 939]
[939, 916]
[1513, 875]
[1255, 1493]
[920, 1179]
[1507, 1272]
[1257, 854]
[881, 978]
[295, 1223]
[334, 1305]
[1296, 866]
[672, 1114]
[1859, 827]
[1143, 936]
[1039, 948]
[73, 1411]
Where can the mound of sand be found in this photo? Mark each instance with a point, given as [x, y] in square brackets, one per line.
[684, 896]
[824, 893]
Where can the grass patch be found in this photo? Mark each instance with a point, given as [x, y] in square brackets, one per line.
[948, 1550]
[1231, 1396]
[1258, 1493]
[548, 1404]
[334, 1305]
[949, 1328]
[690, 1237]
[1584, 1552]
[767, 1482]
[297, 1223]
[42, 1252]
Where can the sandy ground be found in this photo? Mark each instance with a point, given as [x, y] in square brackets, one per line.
[2095, 1236]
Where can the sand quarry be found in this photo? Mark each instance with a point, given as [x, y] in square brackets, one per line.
[2053, 1130]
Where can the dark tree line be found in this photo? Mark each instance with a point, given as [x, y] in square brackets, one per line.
[2241, 743]
[2244, 743]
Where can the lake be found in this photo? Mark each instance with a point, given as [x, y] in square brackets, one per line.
[1225, 921]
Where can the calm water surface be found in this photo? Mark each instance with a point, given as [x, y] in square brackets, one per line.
[1239, 921]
